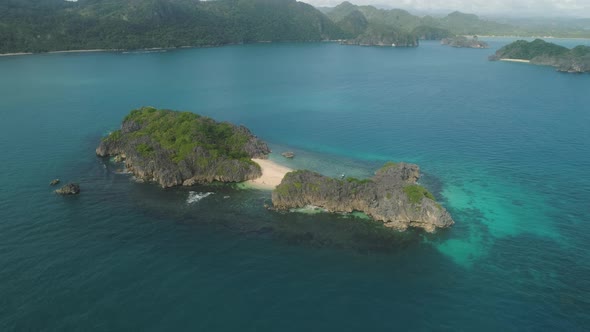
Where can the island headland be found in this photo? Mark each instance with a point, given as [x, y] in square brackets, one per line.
[391, 196]
[540, 52]
[182, 148]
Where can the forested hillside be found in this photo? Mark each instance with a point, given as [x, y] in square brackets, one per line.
[457, 23]
[49, 25]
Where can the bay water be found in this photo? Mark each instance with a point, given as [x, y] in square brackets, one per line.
[505, 147]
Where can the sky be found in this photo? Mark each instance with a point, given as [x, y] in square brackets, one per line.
[518, 8]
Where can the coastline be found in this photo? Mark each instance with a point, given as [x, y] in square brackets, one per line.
[96, 50]
[255, 42]
[272, 175]
[15, 54]
[536, 37]
[83, 51]
[130, 50]
[60, 52]
[516, 60]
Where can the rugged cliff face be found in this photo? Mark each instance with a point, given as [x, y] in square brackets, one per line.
[183, 148]
[391, 196]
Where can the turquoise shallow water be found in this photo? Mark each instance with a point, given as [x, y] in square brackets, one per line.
[504, 146]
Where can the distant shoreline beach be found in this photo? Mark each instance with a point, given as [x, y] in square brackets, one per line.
[97, 50]
[58, 52]
[15, 54]
[516, 60]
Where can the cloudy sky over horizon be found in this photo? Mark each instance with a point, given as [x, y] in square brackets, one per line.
[579, 8]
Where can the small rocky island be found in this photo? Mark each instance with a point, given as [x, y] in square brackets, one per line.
[540, 52]
[391, 196]
[464, 42]
[69, 189]
[183, 148]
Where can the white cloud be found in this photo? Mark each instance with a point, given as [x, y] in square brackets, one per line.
[511, 7]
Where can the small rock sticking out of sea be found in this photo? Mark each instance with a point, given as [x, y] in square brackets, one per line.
[69, 189]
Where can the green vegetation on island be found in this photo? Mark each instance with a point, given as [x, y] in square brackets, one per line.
[182, 148]
[417, 193]
[182, 132]
[540, 52]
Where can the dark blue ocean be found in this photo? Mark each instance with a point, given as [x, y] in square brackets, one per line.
[505, 147]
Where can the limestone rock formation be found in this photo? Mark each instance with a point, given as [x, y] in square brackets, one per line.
[391, 196]
[183, 148]
[69, 189]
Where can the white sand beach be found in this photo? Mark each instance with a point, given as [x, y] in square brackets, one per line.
[83, 51]
[272, 175]
[14, 54]
[58, 52]
[516, 60]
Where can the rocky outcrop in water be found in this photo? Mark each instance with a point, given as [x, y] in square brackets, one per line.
[182, 148]
[54, 182]
[464, 42]
[288, 154]
[69, 189]
[391, 196]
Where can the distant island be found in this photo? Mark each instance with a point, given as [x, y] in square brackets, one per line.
[376, 35]
[391, 196]
[464, 42]
[28, 26]
[182, 148]
[540, 52]
[174, 148]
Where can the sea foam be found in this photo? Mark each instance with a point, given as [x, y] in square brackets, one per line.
[194, 196]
